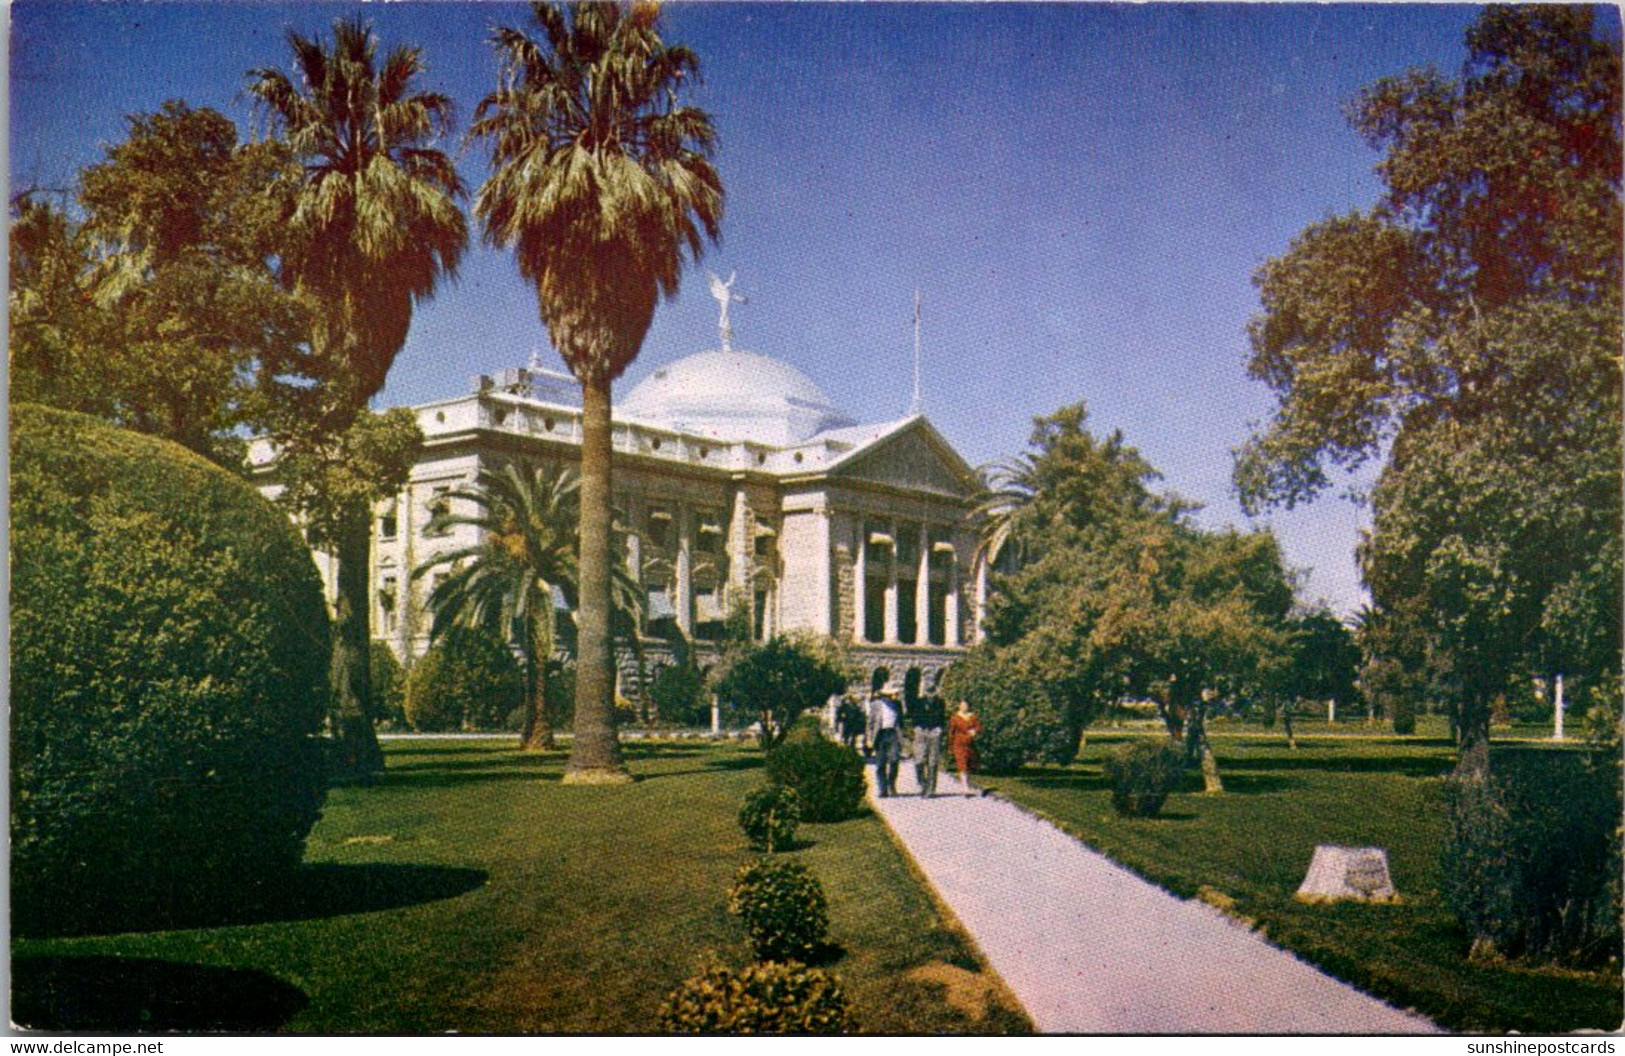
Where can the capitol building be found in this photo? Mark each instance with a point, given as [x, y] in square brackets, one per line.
[742, 486]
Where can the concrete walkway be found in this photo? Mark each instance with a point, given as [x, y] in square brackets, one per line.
[1090, 948]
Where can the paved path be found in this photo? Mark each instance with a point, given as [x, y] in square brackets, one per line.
[1090, 948]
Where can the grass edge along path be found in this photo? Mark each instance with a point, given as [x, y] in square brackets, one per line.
[1246, 851]
[470, 892]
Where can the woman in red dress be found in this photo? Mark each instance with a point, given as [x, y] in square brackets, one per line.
[962, 731]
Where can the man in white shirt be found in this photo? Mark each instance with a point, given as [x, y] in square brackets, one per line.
[884, 715]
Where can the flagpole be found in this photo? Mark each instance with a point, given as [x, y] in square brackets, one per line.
[914, 408]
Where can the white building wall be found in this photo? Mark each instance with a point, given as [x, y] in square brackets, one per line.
[804, 542]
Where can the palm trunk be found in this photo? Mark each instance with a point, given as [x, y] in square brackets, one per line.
[1286, 720]
[537, 735]
[595, 752]
[351, 673]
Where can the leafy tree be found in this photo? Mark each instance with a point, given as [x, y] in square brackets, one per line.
[156, 308]
[1467, 326]
[780, 679]
[1324, 658]
[512, 579]
[334, 483]
[1121, 595]
[466, 681]
[602, 184]
[373, 229]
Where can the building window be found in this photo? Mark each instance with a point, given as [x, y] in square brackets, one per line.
[907, 626]
[658, 529]
[708, 535]
[439, 508]
[387, 525]
[388, 588]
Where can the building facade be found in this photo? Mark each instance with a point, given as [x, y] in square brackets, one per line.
[742, 486]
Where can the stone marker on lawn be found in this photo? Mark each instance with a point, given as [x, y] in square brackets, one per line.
[1348, 872]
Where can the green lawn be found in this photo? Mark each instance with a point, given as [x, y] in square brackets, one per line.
[1253, 845]
[470, 891]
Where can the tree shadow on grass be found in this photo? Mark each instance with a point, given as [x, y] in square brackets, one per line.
[118, 995]
[311, 892]
[1245, 784]
[1064, 779]
[1400, 766]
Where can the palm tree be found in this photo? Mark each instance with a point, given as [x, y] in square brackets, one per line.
[1008, 488]
[601, 182]
[374, 229]
[510, 581]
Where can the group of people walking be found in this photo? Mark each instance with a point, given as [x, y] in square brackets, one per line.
[882, 721]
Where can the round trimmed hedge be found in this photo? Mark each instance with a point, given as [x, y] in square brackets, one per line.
[170, 649]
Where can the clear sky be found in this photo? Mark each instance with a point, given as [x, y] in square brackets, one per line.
[1081, 193]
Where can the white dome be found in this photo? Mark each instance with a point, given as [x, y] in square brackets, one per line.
[734, 396]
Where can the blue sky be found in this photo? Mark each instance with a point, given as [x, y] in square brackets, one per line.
[1081, 193]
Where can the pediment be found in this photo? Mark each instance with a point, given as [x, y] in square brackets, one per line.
[915, 458]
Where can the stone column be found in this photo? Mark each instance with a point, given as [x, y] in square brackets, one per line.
[890, 634]
[950, 603]
[741, 549]
[684, 601]
[860, 582]
[1557, 708]
[980, 611]
[922, 589]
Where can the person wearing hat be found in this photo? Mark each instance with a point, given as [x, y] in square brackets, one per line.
[884, 735]
[928, 718]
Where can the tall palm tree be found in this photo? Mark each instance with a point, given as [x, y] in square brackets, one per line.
[510, 580]
[374, 229]
[601, 182]
[1008, 488]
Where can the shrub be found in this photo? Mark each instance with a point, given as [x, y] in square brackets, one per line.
[783, 908]
[468, 679]
[680, 696]
[827, 776]
[770, 817]
[761, 999]
[169, 651]
[781, 678]
[1142, 775]
[1020, 724]
[1532, 856]
[388, 684]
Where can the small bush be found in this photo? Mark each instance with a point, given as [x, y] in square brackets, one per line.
[779, 679]
[783, 907]
[467, 680]
[388, 684]
[761, 999]
[827, 776]
[1020, 724]
[680, 696]
[806, 729]
[1142, 775]
[1532, 857]
[169, 656]
[770, 817]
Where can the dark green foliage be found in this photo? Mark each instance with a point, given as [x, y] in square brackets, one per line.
[769, 817]
[1142, 774]
[827, 776]
[781, 678]
[680, 696]
[169, 651]
[783, 907]
[1532, 857]
[388, 684]
[469, 679]
[1403, 710]
[1019, 724]
[760, 999]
